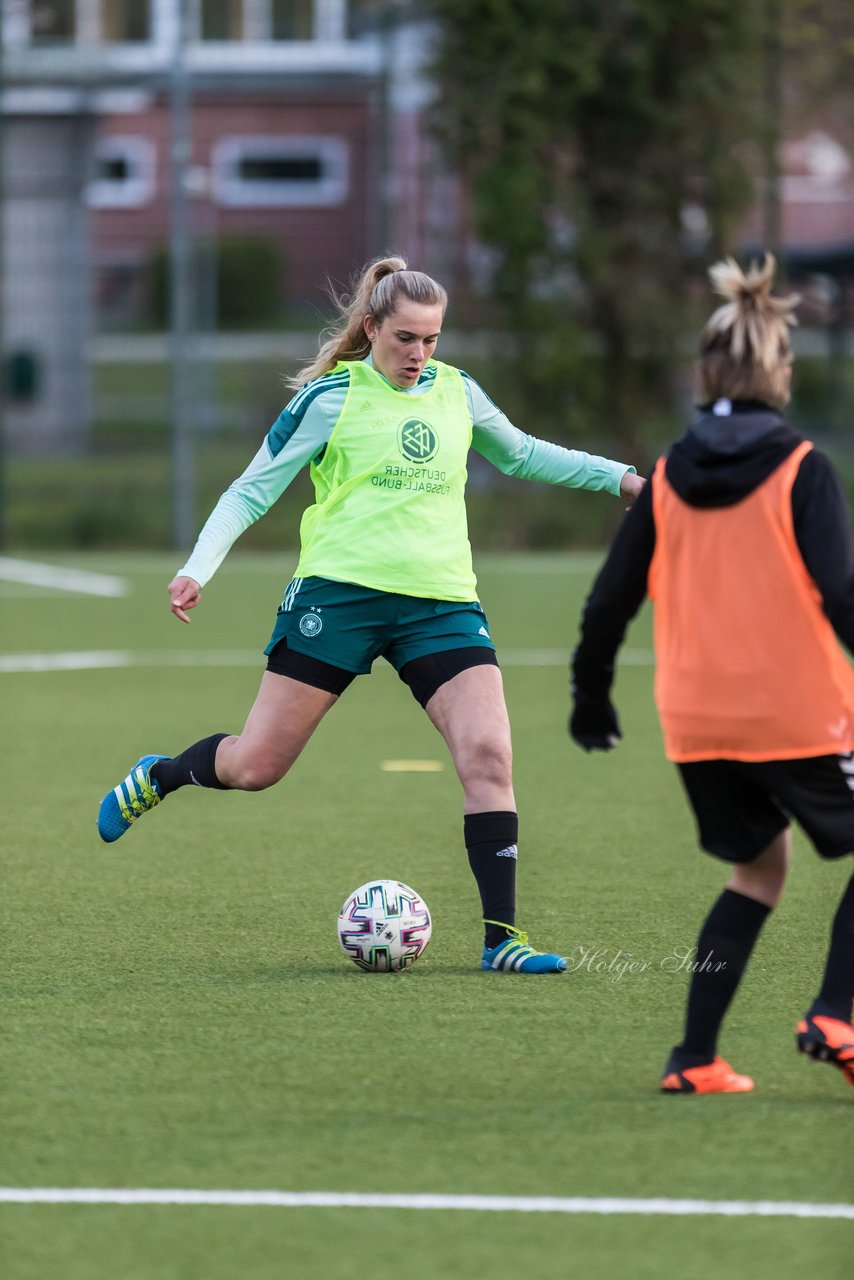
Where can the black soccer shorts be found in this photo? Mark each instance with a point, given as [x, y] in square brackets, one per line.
[741, 806]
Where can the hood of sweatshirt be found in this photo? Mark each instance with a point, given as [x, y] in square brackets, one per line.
[727, 452]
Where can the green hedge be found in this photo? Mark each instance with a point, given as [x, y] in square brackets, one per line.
[239, 280]
[119, 496]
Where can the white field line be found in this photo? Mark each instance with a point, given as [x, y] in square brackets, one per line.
[97, 659]
[473, 1204]
[15, 663]
[80, 581]
[93, 660]
[28, 593]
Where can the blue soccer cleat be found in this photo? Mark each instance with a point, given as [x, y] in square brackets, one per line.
[133, 797]
[513, 955]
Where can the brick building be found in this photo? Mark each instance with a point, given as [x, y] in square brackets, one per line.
[282, 142]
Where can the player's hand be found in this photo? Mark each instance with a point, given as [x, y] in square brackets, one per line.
[184, 593]
[630, 486]
[593, 724]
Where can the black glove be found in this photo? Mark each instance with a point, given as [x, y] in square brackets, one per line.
[593, 724]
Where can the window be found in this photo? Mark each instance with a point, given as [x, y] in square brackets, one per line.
[292, 19]
[125, 20]
[281, 169]
[52, 21]
[280, 172]
[124, 173]
[221, 20]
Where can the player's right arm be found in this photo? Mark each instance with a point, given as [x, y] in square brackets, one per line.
[184, 593]
[299, 434]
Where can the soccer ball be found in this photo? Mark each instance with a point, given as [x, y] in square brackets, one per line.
[384, 926]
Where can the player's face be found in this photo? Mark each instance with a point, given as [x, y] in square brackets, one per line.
[404, 341]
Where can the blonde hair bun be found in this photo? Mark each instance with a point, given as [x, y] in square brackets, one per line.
[753, 323]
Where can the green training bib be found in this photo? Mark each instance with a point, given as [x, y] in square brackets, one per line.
[390, 490]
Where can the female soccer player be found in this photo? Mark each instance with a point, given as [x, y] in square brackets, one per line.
[384, 569]
[743, 542]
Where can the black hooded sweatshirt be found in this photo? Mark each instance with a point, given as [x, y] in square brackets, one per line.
[727, 452]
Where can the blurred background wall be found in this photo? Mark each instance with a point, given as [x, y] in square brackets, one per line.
[184, 180]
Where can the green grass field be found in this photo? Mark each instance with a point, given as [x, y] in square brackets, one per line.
[178, 1014]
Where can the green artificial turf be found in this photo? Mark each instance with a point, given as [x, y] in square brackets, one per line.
[177, 1011]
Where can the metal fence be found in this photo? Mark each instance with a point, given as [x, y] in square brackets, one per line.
[181, 182]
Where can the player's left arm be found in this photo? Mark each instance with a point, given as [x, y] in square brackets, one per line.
[517, 454]
[822, 527]
[616, 596]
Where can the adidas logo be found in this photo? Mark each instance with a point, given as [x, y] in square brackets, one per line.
[510, 852]
[483, 632]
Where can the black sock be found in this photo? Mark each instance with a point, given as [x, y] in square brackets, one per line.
[837, 988]
[726, 941]
[195, 767]
[491, 844]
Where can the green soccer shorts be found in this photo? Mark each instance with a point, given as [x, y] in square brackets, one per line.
[349, 626]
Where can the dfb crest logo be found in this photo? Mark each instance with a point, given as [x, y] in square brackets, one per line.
[417, 440]
[310, 624]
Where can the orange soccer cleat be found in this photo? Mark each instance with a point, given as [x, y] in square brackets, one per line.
[715, 1077]
[828, 1040]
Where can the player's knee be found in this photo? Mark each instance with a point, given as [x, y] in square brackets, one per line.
[257, 773]
[777, 868]
[767, 887]
[489, 762]
[765, 877]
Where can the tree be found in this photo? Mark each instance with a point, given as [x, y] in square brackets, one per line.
[592, 138]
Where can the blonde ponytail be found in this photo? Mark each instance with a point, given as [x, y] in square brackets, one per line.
[375, 293]
[745, 348]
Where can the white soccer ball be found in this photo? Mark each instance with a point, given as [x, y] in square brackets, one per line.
[384, 926]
